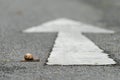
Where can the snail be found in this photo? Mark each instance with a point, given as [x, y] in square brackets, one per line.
[28, 57]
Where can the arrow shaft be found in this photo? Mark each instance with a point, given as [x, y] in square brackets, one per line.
[74, 48]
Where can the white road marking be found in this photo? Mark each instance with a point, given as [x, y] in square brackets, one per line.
[71, 46]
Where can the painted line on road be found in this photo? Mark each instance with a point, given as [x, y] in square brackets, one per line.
[71, 46]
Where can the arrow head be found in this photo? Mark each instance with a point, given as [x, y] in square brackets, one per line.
[66, 25]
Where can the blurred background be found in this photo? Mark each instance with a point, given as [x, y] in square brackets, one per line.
[110, 8]
[26, 13]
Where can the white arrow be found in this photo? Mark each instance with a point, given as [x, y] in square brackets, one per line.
[71, 46]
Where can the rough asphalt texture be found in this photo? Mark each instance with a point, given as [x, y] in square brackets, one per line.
[17, 15]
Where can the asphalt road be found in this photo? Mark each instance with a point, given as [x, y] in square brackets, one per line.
[18, 15]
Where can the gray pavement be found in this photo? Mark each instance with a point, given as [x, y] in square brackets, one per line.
[110, 10]
[17, 15]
